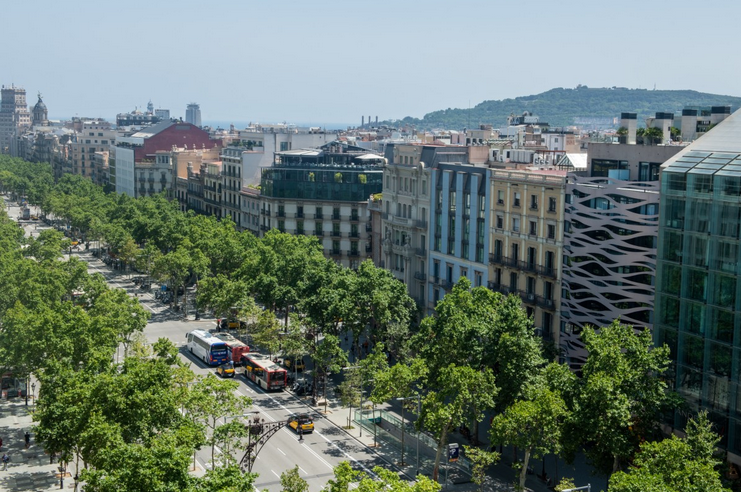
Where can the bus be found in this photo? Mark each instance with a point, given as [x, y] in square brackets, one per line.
[207, 347]
[236, 348]
[265, 373]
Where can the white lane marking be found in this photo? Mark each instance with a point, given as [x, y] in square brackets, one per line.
[308, 448]
[305, 473]
[284, 454]
[366, 470]
[275, 474]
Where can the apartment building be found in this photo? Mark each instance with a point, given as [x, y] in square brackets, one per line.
[323, 192]
[526, 239]
[14, 117]
[231, 158]
[459, 225]
[406, 207]
[94, 136]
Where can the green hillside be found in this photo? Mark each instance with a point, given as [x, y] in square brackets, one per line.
[560, 107]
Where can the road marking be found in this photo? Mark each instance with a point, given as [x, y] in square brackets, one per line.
[275, 474]
[370, 473]
[305, 473]
[308, 448]
[284, 454]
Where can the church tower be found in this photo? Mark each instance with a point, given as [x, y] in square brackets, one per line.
[40, 114]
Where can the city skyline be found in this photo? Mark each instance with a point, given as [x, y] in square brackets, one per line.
[271, 63]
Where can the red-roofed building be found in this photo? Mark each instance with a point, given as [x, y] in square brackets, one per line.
[139, 167]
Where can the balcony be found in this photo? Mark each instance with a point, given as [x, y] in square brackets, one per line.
[420, 276]
[264, 228]
[300, 232]
[150, 179]
[354, 234]
[354, 218]
[368, 248]
[335, 233]
[319, 233]
[281, 213]
[335, 252]
[368, 227]
[420, 252]
[353, 252]
[422, 224]
[527, 298]
[545, 303]
[319, 216]
[446, 284]
[501, 288]
[336, 217]
[299, 215]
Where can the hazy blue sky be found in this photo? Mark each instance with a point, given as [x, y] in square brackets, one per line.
[333, 61]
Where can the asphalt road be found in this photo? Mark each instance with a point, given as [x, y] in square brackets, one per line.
[316, 455]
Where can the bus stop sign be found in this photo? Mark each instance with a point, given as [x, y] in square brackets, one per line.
[453, 452]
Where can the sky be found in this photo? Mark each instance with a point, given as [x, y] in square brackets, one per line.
[331, 62]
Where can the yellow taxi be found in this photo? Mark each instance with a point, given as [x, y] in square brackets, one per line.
[303, 420]
[226, 370]
[299, 364]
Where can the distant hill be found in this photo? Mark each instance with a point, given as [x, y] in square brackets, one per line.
[562, 107]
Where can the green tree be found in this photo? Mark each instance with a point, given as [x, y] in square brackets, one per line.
[328, 358]
[461, 392]
[675, 464]
[211, 401]
[480, 460]
[291, 481]
[533, 425]
[381, 480]
[620, 395]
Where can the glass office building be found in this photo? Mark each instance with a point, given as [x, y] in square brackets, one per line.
[698, 294]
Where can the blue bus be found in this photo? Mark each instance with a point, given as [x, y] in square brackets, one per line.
[207, 347]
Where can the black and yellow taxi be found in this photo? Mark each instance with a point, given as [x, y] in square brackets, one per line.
[297, 363]
[226, 370]
[302, 421]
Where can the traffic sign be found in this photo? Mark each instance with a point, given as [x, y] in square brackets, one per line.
[453, 452]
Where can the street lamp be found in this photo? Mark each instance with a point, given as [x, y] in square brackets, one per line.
[419, 412]
[33, 396]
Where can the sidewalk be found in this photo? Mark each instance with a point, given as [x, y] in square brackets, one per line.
[29, 469]
[500, 477]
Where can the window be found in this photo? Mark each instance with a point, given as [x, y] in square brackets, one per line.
[513, 281]
[551, 231]
[300, 227]
[534, 202]
[319, 214]
[439, 199]
[464, 272]
[335, 247]
[500, 222]
[515, 224]
[551, 204]
[478, 278]
[533, 228]
[517, 199]
[335, 229]
[500, 197]
[281, 226]
[530, 286]
[451, 201]
[336, 213]
[424, 187]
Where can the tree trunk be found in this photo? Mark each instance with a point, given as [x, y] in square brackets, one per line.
[438, 454]
[523, 471]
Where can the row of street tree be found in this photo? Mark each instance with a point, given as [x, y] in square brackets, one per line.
[478, 355]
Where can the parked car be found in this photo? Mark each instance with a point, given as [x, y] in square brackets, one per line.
[302, 419]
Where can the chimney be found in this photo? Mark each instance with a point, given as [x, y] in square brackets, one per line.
[719, 113]
[362, 121]
[689, 124]
[664, 121]
[629, 121]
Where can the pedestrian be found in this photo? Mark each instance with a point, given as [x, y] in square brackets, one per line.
[27, 436]
[5, 459]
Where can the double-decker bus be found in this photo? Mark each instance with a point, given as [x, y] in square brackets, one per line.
[236, 348]
[207, 347]
[265, 373]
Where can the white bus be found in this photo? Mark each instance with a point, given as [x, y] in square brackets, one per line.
[207, 347]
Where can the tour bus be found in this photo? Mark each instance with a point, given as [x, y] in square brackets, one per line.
[265, 373]
[236, 348]
[207, 347]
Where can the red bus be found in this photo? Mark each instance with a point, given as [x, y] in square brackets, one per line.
[265, 373]
[236, 348]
